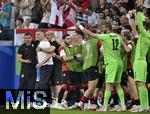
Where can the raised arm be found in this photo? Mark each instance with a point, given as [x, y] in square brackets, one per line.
[67, 2]
[140, 16]
[44, 2]
[140, 19]
[88, 32]
[25, 4]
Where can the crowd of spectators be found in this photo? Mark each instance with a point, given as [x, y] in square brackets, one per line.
[45, 13]
[16, 14]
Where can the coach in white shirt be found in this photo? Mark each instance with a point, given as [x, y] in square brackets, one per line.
[45, 60]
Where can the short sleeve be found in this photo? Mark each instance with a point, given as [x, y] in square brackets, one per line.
[20, 50]
[61, 51]
[102, 36]
[35, 43]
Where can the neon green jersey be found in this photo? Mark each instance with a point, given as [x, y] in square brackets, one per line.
[112, 44]
[143, 43]
[148, 56]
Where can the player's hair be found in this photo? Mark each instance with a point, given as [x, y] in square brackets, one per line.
[108, 25]
[117, 30]
[80, 33]
[65, 36]
[41, 30]
[27, 34]
[20, 19]
[126, 33]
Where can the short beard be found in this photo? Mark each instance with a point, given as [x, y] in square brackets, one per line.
[28, 43]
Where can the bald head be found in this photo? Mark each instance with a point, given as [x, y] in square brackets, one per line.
[77, 39]
[49, 34]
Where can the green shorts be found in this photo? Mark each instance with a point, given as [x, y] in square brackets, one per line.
[113, 72]
[140, 70]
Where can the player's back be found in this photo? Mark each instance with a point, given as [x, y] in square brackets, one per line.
[112, 48]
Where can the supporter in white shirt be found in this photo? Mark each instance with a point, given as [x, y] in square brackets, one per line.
[93, 19]
[57, 11]
[56, 17]
[25, 8]
[147, 3]
[47, 14]
[27, 21]
[46, 17]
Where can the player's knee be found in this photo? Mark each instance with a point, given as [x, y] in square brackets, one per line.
[108, 86]
[118, 86]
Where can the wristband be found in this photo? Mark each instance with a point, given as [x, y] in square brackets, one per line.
[81, 27]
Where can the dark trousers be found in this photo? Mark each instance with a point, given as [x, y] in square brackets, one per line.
[28, 79]
[57, 72]
[45, 74]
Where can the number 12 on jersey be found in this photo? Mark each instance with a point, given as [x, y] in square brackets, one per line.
[115, 43]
